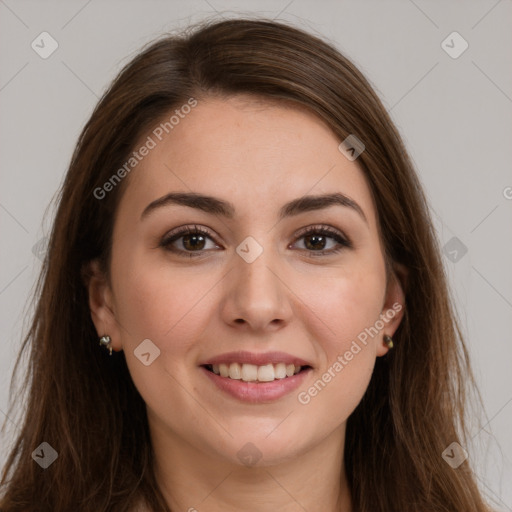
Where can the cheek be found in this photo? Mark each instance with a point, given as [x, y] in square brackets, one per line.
[165, 307]
[341, 314]
[343, 305]
[159, 302]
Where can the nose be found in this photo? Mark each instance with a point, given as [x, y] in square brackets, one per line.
[257, 297]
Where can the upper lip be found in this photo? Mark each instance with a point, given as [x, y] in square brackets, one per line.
[258, 359]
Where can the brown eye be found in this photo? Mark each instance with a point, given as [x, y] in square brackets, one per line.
[314, 242]
[188, 241]
[316, 239]
[192, 242]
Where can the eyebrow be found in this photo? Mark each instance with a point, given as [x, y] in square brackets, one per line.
[218, 206]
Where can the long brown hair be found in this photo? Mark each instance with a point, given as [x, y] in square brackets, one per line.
[84, 403]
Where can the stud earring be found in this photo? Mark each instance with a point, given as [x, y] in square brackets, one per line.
[106, 342]
[388, 340]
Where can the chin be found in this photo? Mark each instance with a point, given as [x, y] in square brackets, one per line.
[264, 447]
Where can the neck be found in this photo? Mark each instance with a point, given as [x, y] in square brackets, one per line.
[193, 480]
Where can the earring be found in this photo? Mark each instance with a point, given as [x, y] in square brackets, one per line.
[388, 340]
[106, 342]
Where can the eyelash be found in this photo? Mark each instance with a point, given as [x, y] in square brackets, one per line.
[323, 230]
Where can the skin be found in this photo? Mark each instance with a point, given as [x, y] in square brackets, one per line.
[288, 299]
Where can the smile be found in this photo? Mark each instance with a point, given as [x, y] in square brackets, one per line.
[256, 391]
[254, 373]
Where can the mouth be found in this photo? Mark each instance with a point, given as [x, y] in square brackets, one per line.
[254, 373]
[256, 384]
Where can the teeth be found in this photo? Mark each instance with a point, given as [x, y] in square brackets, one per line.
[249, 372]
[266, 373]
[235, 371]
[280, 371]
[253, 373]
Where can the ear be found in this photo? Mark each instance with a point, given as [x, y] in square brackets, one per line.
[101, 303]
[394, 304]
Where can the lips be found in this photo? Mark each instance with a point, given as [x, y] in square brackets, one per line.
[256, 392]
[254, 367]
[256, 377]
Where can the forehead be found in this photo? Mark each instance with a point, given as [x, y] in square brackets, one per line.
[249, 152]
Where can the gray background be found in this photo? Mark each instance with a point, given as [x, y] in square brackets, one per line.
[454, 114]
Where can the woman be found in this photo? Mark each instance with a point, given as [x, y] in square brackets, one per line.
[242, 229]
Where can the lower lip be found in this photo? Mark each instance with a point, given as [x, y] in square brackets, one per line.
[257, 392]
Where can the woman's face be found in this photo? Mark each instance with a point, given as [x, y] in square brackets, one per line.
[251, 286]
